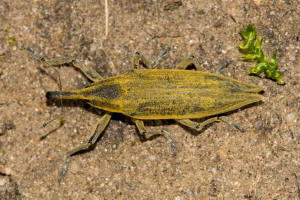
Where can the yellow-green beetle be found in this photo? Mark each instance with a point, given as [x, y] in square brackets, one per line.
[152, 94]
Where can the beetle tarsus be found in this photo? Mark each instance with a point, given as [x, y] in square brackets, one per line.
[171, 141]
[64, 169]
[232, 123]
[160, 58]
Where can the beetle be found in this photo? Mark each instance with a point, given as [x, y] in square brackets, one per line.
[152, 94]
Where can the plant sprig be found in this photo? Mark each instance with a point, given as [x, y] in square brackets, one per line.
[251, 47]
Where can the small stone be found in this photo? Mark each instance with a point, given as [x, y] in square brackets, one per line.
[257, 2]
[291, 117]
[178, 198]
[2, 182]
[152, 158]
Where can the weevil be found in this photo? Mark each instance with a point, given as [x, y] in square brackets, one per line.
[152, 94]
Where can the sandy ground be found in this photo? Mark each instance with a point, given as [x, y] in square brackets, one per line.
[218, 163]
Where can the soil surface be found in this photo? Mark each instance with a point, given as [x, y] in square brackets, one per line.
[220, 162]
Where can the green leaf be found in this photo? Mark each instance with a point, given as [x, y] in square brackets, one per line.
[251, 48]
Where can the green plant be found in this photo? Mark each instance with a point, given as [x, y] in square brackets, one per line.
[251, 47]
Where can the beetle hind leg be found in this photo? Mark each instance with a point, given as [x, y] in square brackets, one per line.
[195, 125]
[103, 122]
[232, 123]
[189, 62]
[146, 134]
[199, 126]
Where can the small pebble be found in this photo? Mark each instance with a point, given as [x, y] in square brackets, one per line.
[152, 158]
[290, 117]
[2, 182]
[257, 2]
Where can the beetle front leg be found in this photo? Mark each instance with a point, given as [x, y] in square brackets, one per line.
[143, 131]
[88, 71]
[103, 122]
[190, 61]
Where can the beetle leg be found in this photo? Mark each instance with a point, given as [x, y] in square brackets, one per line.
[160, 58]
[195, 125]
[232, 123]
[190, 61]
[143, 131]
[198, 126]
[88, 71]
[139, 60]
[103, 122]
[225, 65]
